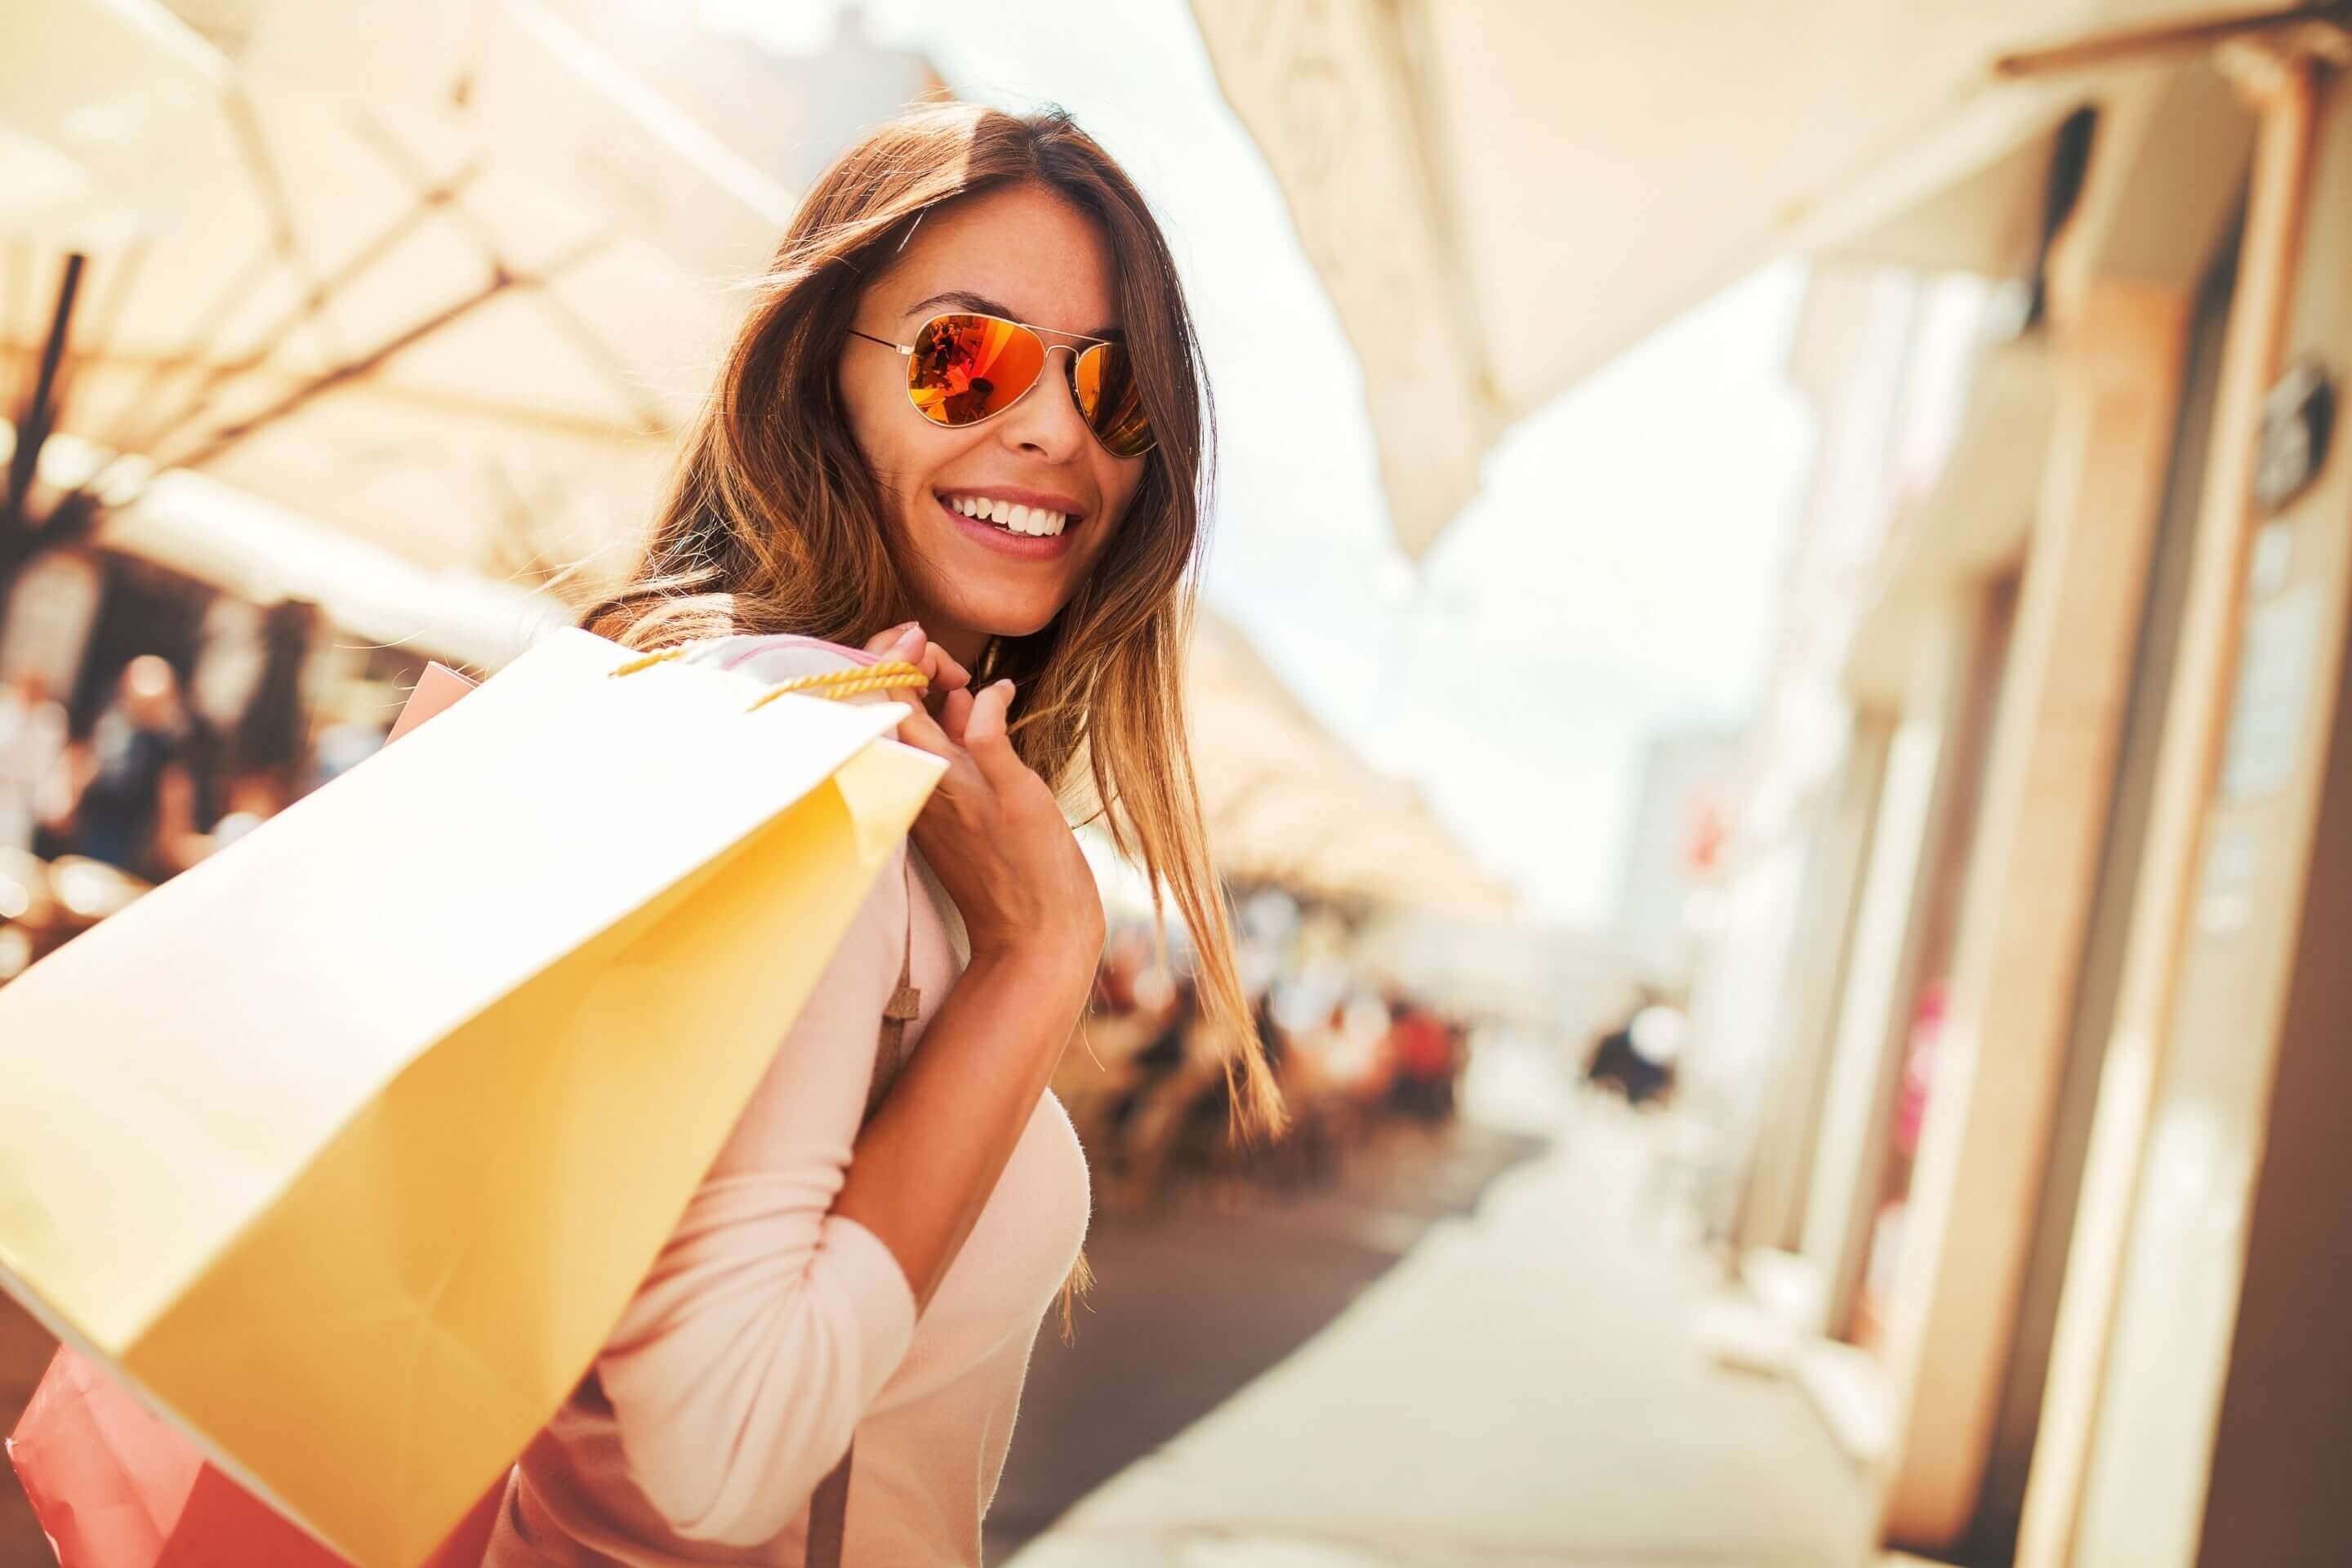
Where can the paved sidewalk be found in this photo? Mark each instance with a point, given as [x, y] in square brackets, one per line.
[1521, 1390]
[1196, 1300]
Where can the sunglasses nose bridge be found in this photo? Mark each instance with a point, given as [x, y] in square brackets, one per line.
[1070, 373]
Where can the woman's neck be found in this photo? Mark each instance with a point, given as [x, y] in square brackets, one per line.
[963, 645]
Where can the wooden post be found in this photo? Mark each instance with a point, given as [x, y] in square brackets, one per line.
[1975, 1193]
[2285, 96]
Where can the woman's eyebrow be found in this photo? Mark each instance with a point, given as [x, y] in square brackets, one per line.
[967, 299]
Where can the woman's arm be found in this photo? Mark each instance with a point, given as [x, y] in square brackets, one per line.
[994, 835]
[788, 1293]
[928, 1160]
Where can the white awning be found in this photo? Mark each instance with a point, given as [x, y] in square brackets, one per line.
[1501, 197]
[1286, 802]
[461, 316]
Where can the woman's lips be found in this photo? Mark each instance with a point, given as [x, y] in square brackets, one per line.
[1022, 546]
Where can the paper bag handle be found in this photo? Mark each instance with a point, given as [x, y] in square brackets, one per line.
[891, 675]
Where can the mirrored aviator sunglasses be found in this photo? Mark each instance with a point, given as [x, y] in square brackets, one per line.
[964, 367]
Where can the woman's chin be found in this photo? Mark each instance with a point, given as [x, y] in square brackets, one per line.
[1010, 615]
[1022, 623]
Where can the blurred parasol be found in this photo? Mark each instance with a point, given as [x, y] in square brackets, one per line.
[444, 275]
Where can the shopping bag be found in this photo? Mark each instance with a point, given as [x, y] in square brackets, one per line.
[345, 1149]
[116, 1486]
[438, 688]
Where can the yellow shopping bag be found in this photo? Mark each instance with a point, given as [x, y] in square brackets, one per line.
[348, 1147]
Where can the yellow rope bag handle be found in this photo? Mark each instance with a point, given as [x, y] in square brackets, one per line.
[891, 675]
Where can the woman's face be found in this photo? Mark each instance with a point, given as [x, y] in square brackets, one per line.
[1026, 254]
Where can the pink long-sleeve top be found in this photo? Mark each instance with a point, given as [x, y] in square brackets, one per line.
[772, 1330]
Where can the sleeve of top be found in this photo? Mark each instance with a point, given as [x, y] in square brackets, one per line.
[768, 1324]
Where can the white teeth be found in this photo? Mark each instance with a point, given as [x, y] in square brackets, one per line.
[1035, 521]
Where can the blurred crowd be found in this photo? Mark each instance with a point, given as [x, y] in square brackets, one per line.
[89, 823]
[1147, 1089]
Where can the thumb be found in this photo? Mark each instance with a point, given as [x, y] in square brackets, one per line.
[985, 736]
[955, 713]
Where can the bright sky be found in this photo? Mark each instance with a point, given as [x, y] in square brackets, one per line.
[1617, 574]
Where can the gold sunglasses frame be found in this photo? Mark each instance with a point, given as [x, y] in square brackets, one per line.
[1069, 374]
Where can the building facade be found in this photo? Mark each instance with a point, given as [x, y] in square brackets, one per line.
[2042, 1190]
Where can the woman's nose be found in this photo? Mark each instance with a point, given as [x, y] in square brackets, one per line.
[1047, 421]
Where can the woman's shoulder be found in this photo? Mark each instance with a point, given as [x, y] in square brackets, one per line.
[778, 656]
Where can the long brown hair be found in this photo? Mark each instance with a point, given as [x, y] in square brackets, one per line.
[775, 521]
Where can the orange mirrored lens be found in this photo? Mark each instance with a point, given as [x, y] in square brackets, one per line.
[969, 367]
[1111, 400]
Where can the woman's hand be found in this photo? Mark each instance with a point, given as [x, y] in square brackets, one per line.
[939, 666]
[994, 832]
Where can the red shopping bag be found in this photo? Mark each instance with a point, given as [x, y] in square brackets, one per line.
[114, 1485]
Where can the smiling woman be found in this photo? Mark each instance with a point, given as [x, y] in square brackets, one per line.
[970, 414]
[964, 426]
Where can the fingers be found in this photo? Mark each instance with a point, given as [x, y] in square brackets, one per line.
[945, 678]
[985, 736]
[908, 646]
[923, 732]
[920, 730]
[963, 787]
[883, 641]
[955, 714]
[912, 646]
[946, 675]
[942, 672]
[986, 722]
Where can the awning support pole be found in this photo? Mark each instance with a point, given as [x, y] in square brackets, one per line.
[221, 440]
[314, 302]
[39, 417]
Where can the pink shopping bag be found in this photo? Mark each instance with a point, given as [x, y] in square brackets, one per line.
[115, 1486]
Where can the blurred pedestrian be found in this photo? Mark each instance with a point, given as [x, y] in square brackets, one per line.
[33, 737]
[134, 795]
[1420, 1049]
[1637, 1058]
